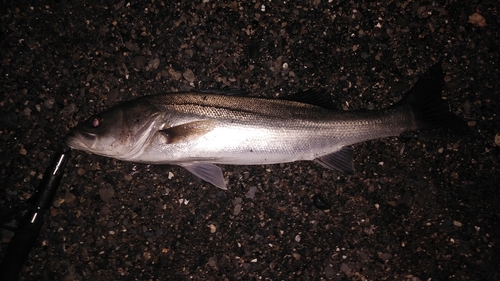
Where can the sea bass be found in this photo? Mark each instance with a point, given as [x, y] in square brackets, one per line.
[198, 130]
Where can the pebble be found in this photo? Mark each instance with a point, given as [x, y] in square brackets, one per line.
[139, 62]
[153, 64]
[105, 210]
[365, 55]
[329, 271]
[457, 223]
[237, 209]
[477, 20]
[497, 139]
[49, 103]
[80, 171]
[385, 256]
[297, 238]
[213, 228]
[189, 75]
[212, 262]
[69, 198]
[106, 194]
[175, 74]
[251, 192]
[345, 268]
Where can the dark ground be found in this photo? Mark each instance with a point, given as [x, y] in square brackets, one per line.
[414, 210]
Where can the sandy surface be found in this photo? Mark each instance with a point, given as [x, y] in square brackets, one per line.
[414, 210]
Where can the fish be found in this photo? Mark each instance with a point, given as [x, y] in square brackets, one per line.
[198, 130]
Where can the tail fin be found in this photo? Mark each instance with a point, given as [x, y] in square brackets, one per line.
[432, 116]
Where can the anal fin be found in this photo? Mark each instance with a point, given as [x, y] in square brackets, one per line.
[339, 160]
[208, 172]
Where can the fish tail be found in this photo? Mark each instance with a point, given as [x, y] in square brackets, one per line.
[430, 112]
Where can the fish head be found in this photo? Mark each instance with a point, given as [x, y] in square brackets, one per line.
[118, 132]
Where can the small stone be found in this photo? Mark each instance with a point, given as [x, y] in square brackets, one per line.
[176, 75]
[49, 103]
[213, 228]
[131, 46]
[329, 272]
[477, 20]
[153, 63]
[363, 256]
[189, 75]
[23, 151]
[106, 194]
[345, 268]
[105, 210]
[139, 62]
[457, 223]
[497, 139]
[212, 262]
[297, 238]
[69, 198]
[237, 209]
[251, 192]
[385, 256]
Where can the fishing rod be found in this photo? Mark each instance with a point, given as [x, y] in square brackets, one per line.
[28, 230]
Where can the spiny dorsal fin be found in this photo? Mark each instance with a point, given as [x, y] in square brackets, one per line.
[317, 98]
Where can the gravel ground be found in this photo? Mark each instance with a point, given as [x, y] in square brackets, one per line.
[414, 210]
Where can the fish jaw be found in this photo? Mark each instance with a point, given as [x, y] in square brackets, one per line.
[80, 141]
[89, 142]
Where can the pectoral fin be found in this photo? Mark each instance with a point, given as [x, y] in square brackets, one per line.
[207, 172]
[339, 160]
[188, 131]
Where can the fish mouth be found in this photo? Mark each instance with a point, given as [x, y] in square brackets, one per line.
[80, 140]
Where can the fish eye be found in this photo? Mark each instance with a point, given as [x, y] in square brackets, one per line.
[95, 121]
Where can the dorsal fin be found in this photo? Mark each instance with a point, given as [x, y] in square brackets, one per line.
[225, 92]
[313, 97]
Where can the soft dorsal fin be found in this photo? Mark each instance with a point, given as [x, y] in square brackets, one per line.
[188, 131]
[225, 92]
[317, 98]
